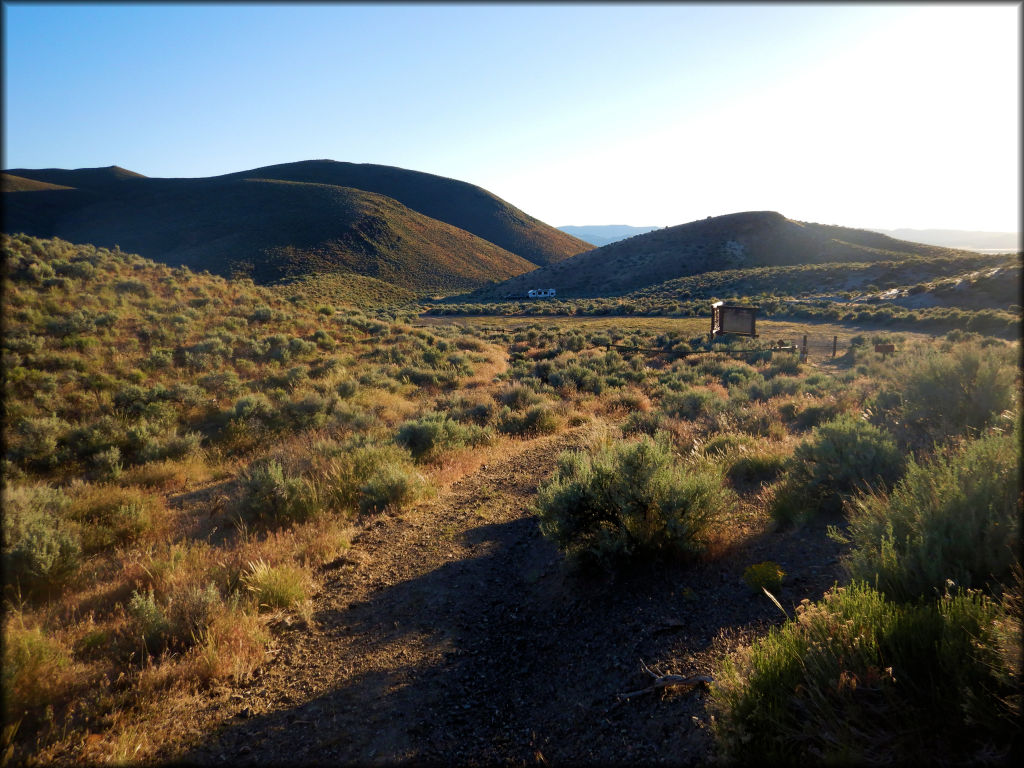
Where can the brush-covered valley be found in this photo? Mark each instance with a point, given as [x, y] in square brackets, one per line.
[349, 496]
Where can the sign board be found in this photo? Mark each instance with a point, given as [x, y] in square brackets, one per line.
[885, 349]
[733, 319]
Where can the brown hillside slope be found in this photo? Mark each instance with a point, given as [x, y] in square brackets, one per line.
[733, 241]
[11, 183]
[78, 178]
[220, 224]
[272, 229]
[456, 202]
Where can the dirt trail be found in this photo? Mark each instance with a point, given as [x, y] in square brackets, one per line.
[454, 634]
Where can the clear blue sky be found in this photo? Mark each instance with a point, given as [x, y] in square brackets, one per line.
[864, 115]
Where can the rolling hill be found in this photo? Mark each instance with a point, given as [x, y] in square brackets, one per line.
[460, 204]
[421, 232]
[733, 241]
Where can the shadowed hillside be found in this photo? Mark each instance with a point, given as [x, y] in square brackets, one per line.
[420, 232]
[734, 241]
[268, 230]
[463, 205]
[79, 178]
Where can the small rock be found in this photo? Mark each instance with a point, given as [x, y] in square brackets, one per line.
[245, 750]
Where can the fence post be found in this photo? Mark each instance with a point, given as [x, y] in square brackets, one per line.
[803, 350]
[834, 340]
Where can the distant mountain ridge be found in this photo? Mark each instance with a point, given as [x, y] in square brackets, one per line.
[603, 234]
[733, 241]
[958, 238]
[961, 239]
[422, 232]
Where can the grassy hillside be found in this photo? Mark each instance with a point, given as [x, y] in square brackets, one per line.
[12, 183]
[271, 229]
[974, 281]
[337, 288]
[460, 204]
[79, 178]
[421, 232]
[734, 241]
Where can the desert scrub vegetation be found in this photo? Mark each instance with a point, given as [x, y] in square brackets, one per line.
[928, 630]
[630, 499]
[182, 452]
[974, 293]
[954, 518]
[946, 391]
[856, 677]
[838, 459]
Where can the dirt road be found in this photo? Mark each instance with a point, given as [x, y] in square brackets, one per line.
[454, 633]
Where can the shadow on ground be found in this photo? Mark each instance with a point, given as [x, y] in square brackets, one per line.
[507, 657]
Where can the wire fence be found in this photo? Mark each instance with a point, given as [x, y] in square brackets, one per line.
[807, 347]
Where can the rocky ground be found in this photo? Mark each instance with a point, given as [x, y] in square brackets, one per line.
[455, 634]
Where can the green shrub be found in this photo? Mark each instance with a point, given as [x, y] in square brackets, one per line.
[956, 393]
[518, 396]
[347, 388]
[147, 620]
[575, 377]
[480, 413]
[536, 420]
[107, 463]
[691, 403]
[270, 496]
[956, 518]
[762, 464]
[34, 441]
[627, 500]
[307, 412]
[856, 679]
[841, 457]
[434, 433]
[367, 477]
[41, 551]
[737, 373]
[643, 423]
[391, 485]
[815, 414]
